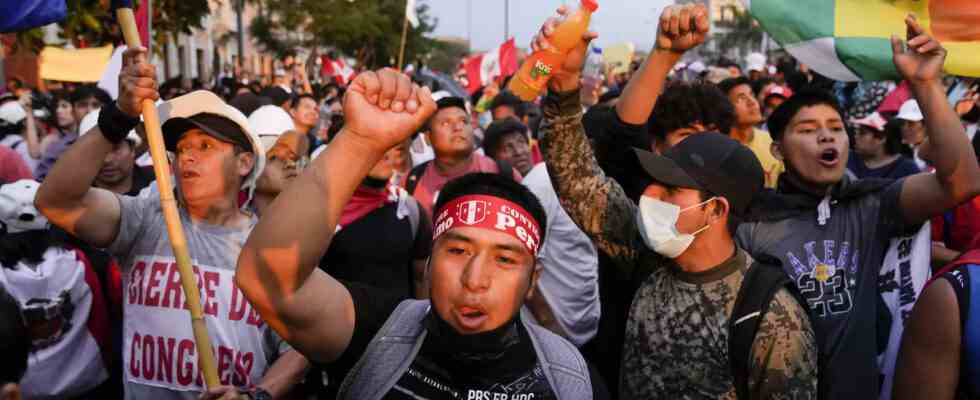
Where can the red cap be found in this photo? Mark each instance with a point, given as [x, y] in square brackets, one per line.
[591, 5]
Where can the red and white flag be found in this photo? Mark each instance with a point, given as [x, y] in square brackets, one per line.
[481, 69]
[338, 69]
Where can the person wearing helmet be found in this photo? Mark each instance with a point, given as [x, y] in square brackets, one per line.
[217, 161]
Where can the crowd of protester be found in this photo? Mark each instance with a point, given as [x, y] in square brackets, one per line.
[680, 230]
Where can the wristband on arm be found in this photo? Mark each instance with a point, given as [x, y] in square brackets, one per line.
[115, 124]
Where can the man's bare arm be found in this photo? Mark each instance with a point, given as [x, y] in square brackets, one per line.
[673, 39]
[928, 365]
[67, 197]
[277, 270]
[957, 177]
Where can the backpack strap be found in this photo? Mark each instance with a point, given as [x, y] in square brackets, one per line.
[389, 354]
[759, 285]
[504, 168]
[562, 364]
[414, 177]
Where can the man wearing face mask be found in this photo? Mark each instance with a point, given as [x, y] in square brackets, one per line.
[687, 312]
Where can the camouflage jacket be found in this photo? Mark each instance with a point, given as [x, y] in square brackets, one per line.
[676, 343]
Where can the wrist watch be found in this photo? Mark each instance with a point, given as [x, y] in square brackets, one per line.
[257, 393]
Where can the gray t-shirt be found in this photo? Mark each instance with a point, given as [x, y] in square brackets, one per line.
[835, 267]
[159, 357]
[569, 278]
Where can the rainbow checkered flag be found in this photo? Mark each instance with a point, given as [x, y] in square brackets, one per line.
[848, 40]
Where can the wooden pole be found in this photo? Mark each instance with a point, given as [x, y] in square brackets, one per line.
[401, 52]
[161, 168]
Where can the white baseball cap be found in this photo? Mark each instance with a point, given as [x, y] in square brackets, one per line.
[91, 119]
[17, 211]
[12, 112]
[874, 121]
[910, 111]
[205, 110]
[755, 62]
[269, 122]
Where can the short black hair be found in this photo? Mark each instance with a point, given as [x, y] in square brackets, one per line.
[498, 186]
[86, 91]
[294, 102]
[278, 95]
[15, 340]
[730, 84]
[497, 131]
[781, 116]
[683, 104]
[893, 137]
[507, 98]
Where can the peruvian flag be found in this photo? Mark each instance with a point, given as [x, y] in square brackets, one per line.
[481, 69]
[338, 69]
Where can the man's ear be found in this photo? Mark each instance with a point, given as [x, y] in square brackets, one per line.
[246, 161]
[721, 209]
[777, 150]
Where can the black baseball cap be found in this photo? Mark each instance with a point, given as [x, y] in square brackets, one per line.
[710, 162]
[450, 102]
[215, 125]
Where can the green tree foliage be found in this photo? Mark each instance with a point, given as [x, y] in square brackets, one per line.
[745, 35]
[92, 23]
[369, 30]
[445, 56]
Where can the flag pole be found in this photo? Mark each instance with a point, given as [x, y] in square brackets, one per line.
[178, 242]
[401, 51]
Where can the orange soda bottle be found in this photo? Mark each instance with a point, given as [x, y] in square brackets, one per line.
[537, 69]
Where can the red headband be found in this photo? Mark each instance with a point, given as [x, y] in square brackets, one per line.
[492, 213]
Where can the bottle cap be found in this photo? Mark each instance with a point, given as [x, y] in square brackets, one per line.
[590, 5]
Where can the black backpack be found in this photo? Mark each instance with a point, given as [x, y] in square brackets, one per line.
[761, 282]
[503, 168]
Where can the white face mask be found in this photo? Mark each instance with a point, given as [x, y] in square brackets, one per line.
[658, 226]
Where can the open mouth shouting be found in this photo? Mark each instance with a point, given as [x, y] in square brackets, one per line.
[830, 158]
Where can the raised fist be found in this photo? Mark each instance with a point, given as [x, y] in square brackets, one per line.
[384, 108]
[682, 27]
[137, 82]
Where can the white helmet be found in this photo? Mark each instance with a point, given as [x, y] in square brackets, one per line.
[17, 211]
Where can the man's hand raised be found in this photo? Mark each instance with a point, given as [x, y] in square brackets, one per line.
[384, 108]
[137, 81]
[566, 77]
[922, 60]
[682, 28]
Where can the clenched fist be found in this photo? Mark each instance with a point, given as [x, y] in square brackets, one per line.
[137, 82]
[384, 108]
[682, 28]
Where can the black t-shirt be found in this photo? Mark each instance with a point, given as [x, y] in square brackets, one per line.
[142, 177]
[379, 250]
[440, 371]
[900, 168]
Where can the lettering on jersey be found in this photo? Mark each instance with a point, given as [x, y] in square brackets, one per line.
[488, 395]
[827, 283]
[903, 282]
[174, 361]
[158, 285]
[158, 341]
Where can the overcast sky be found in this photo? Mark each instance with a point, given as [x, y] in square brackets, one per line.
[616, 20]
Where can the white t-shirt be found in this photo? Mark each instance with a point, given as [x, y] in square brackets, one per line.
[569, 278]
[159, 357]
[73, 363]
